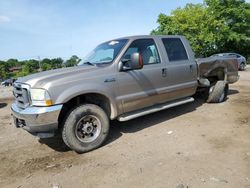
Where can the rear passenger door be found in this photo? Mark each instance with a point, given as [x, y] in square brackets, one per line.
[181, 68]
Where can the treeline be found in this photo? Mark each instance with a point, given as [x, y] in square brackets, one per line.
[14, 68]
[216, 26]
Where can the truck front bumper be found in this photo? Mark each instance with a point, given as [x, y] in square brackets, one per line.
[39, 121]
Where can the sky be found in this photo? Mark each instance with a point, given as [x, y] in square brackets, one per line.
[51, 28]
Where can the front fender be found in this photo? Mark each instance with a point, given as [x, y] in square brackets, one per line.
[76, 90]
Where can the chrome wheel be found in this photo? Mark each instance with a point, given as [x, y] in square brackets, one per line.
[88, 128]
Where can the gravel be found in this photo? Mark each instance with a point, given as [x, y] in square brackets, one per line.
[6, 93]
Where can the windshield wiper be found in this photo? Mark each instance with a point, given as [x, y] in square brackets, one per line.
[89, 63]
[105, 62]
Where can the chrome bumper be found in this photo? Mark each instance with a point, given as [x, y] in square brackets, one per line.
[36, 119]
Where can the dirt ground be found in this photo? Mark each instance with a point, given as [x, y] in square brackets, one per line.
[194, 145]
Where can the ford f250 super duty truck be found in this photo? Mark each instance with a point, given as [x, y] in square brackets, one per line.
[120, 79]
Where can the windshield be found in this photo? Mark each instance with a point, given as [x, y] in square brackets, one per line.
[105, 53]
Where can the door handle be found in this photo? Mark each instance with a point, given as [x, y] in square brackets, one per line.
[191, 67]
[164, 72]
[110, 80]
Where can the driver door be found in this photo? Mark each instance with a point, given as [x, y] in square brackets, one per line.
[142, 88]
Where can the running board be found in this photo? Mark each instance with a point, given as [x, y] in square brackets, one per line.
[135, 114]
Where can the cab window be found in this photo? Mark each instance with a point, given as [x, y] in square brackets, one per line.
[147, 48]
[175, 49]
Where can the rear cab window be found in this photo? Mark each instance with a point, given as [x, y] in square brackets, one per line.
[175, 49]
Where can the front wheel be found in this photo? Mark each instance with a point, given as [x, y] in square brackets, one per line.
[218, 92]
[86, 128]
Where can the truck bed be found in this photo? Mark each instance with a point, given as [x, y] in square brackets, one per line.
[217, 66]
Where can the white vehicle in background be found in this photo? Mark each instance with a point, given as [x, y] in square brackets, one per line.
[240, 59]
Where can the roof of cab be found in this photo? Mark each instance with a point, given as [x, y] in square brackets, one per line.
[148, 36]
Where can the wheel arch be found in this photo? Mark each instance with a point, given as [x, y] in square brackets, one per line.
[218, 73]
[96, 98]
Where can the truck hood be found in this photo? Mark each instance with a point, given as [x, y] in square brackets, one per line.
[38, 80]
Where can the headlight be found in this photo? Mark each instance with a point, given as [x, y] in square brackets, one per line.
[40, 97]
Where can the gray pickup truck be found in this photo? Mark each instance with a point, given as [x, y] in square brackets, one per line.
[120, 79]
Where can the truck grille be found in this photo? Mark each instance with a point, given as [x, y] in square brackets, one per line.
[20, 92]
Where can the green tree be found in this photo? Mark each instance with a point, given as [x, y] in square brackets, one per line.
[3, 70]
[12, 63]
[28, 67]
[213, 27]
[46, 64]
[73, 61]
[235, 15]
[23, 72]
[56, 63]
[33, 65]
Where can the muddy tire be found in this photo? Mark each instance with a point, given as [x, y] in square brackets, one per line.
[218, 92]
[86, 128]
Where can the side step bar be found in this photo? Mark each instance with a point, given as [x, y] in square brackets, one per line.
[135, 114]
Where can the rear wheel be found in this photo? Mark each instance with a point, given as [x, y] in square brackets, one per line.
[242, 66]
[86, 128]
[218, 92]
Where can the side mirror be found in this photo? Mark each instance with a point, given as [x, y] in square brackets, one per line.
[134, 63]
